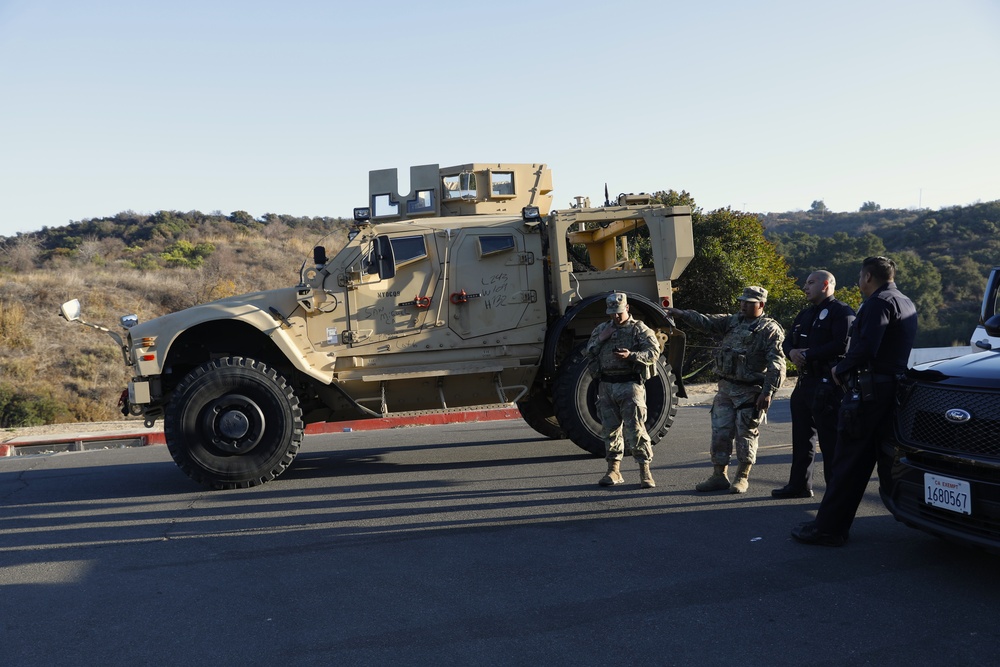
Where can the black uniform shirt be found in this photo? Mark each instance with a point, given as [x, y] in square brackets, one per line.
[822, 330]
[883, 333]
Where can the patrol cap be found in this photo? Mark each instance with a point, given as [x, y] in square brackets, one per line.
[617, 303]
[754, 293]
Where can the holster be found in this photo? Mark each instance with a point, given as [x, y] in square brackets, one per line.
[862, 383]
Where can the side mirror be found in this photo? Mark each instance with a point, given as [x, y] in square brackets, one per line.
[71, 310]
[992, 326]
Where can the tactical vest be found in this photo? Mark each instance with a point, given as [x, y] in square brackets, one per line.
[628, 336]
[742, 357]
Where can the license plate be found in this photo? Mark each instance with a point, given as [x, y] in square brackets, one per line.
[947, 493]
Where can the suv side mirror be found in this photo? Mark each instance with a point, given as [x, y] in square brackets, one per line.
[992, 326]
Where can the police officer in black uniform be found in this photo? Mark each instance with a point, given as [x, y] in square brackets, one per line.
[816, 343]
[877, 354]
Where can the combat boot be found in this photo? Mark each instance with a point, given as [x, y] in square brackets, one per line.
[645, 476]
[719, 481]
[742, 481]
[614, 475]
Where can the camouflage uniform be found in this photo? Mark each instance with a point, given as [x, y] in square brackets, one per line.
[621, 400]
[749, 363]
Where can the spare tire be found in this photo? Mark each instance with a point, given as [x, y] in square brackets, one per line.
[576, 403]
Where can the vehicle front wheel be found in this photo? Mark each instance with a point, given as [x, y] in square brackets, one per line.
[233, 423]
[576, 403]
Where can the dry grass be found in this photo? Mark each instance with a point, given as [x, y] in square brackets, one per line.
[12, 330]
[80, 369]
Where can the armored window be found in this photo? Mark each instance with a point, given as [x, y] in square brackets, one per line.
[406, 249]
[460, 186]
[423, 202]
[383, 205]
[492, 245]
[502, 184]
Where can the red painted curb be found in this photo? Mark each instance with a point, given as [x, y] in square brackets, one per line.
[157, 437]
[154, 438]
[470, 416]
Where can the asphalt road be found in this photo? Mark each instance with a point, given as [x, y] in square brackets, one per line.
[475, 544]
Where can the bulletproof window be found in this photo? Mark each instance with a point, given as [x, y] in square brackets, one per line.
[407, 249]
[460, 186]
[382, 205]
[493, 245]
[422, 202]
[502, 183]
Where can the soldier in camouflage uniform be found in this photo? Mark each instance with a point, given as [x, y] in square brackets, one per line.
[751, 367]
[623, 353]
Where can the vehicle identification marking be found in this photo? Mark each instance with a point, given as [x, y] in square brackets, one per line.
[951, 494]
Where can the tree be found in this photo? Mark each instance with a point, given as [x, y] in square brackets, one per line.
[244, 219]
[21, 253]
[921, 281]
[870, 206]
[818, 206]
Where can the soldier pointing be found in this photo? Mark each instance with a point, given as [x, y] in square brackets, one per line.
[751, 367]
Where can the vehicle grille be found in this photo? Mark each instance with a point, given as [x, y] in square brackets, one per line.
[920, 420]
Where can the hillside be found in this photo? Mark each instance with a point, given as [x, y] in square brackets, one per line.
[944, 256]
[52, 371]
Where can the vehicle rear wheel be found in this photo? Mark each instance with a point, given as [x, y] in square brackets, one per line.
[576, 403]
[233, 423]
[539, 413]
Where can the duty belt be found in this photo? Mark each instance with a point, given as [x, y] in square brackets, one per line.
[611, 379]
[749, 383]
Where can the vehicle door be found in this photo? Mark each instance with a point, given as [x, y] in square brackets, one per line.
[385, 286]
[488, 278]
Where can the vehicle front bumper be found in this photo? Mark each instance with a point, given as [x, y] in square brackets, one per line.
[903, 495]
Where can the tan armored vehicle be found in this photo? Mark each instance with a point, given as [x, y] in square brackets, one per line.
[467, 291]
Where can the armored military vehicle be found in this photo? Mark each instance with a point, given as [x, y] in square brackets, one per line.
[467, 291]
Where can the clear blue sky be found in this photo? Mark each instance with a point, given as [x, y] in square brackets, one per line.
[284, 107]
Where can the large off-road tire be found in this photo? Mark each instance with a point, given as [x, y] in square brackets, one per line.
[576, 403]
[539, 413]
[233, 423]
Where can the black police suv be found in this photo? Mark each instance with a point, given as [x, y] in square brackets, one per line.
[945, 449]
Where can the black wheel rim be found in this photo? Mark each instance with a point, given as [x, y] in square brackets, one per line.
[234, 424]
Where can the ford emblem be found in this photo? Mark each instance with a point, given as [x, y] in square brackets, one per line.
[957, 416]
